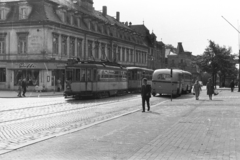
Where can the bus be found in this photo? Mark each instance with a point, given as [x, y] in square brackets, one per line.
[163, 83]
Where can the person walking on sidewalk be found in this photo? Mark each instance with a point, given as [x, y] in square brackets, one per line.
[59, 85]
[24, 87]
[232, 85]
[210, 88]
[19, 87]
[146, 94]
[197, 88]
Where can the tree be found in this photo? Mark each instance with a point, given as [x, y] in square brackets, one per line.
[171, 47]
[217, 60]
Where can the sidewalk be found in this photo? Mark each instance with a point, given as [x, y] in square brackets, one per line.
[13, 94]
[184, 129]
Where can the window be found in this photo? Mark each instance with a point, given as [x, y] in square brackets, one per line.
[2, 44]
[79, 48]
[64, 45]
[2, 14]
[55, 43]
[2, 74]
[22, 43]
[115, 52]
[32, 76]
[103, 51]
[72, 46]
[109, 49]
[96, 47]
[132, 56]
[119, 54]
[136, 56]
[23, 13]
[127, 55]
[90, 51]
[123, 54]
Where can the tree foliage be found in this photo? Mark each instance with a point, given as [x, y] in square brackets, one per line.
[218, 60]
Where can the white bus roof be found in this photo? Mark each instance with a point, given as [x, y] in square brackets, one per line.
[139, 68]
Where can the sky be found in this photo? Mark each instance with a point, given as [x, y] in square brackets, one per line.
[192, 22]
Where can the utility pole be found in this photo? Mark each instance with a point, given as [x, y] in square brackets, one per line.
[238, 55]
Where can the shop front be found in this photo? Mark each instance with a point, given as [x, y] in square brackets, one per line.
[39, 75]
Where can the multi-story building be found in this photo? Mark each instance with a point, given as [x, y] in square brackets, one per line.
[37, 38]
[156, 49]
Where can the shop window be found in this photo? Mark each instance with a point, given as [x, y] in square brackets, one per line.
[55, 43]
[2, 74]
[22, 43]
[32, 76]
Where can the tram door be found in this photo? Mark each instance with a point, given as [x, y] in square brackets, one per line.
[89, 80]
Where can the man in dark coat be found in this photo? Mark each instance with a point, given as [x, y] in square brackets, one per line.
[232, 85]
[146, 94]
[24, 86]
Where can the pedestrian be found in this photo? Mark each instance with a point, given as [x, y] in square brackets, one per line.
[210, 88]
[24, 87]
[19, 87]
[146, 94]
[197, 89]
[232, 85]
[59, 85]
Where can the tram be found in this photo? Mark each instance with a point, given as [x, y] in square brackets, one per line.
[95, 79]
[135, 77]
[163, 83]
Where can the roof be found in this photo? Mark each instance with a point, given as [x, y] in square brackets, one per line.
[139, 68]
[43, 10]
[142, 29]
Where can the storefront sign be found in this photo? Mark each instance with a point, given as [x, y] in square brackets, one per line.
[26, 65]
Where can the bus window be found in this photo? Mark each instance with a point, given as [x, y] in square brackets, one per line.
[83, 75]
[164, 77]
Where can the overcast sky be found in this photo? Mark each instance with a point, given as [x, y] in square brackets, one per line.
[191, 22]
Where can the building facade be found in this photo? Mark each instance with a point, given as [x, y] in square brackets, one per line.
[156, 49]
[183, 60]
[38, 37]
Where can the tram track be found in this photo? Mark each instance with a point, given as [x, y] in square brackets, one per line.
[27, 113]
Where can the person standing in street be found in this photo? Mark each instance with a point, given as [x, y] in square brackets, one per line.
[24, 87]
[19, 87]
[146, 94]
[59, 85]
[197, 88]
[232, 85]
[210, 88]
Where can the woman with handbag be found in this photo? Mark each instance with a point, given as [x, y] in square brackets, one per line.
[210, 88]
[197, 89]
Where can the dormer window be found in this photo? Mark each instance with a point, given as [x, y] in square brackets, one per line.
[24, 11]
[3, 13]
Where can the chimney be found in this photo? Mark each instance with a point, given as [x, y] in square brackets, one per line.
[118, 16]
[126, 23]
[104, 10]
[130, 24]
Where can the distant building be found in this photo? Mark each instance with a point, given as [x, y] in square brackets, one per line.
[182, 60]
[37, 37]
[156, 49]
